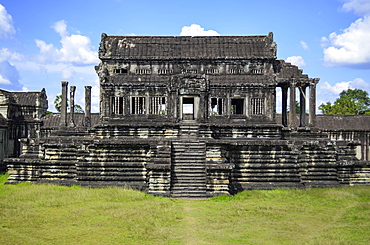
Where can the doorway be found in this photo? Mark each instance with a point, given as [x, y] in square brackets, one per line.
[188, 108]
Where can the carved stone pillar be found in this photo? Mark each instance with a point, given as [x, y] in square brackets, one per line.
[72, 106]
[292, 104]
[63, 107]
[88, 106]
[284, 90]
[302, 102]
[312, 109]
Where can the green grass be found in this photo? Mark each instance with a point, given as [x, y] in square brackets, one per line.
[49, 214]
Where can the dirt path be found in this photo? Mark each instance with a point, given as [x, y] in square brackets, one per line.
[192, 223]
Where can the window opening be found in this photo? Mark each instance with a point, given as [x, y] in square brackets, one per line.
[138, 105]
[211, 71]
[143, 71]
[257, 71]
[216, 106]
[121, 71]
[257, 106]
[237, 106]
[117, 105]
[189, 71]
[164, 72]
[157, 105]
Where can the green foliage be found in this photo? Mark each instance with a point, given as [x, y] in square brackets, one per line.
[350, 102]
[58, 102]
[49, 214]
[78, 109]
[58, 105]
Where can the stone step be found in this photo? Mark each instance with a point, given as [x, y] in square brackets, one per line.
[187, 168]
[187, 146]
[179, 189]
[188, 163]
[186, 143]
[188, 154]
[188, 180]
[188, 190]
[184, 162]
[190, 195]
[189, 175]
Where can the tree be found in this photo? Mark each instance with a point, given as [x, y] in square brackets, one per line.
[58, 105]
[58, 102]
[350, 102]
[78, 109]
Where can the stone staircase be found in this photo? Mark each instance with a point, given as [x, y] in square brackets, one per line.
[188, 171]
[360, 177]
[189, 130]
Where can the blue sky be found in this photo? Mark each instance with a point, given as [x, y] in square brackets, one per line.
[44, 42]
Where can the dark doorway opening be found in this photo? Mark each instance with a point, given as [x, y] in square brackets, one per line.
[237, 106]
[188, 108]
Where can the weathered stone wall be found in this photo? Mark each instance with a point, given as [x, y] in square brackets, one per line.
[186, 162]
[264, 165]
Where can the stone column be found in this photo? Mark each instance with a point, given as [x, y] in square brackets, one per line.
[88, 106]
[63, 107]
[292, 103]
[72, 106]
[312, 109]
[302, 105]
[284, 120]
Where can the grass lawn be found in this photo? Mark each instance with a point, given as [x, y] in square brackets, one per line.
[49, 214]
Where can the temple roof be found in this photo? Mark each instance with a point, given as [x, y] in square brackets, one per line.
[339, 122]
[286, 70]
[343, 122]
[26, 98]
[183, 47]
[52, 120]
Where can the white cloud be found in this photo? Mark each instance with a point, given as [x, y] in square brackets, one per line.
[68, 73]
[296, 60]
[360, 7]
[304, 45]
[331, 92]
[351, 47]
[4, 80]
[336, 88]
[61, 28]
[6, 24]
[197, 30]
[76, 49]
[5, 54]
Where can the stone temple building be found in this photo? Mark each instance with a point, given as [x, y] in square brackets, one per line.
[20, 118]
[194, 117]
